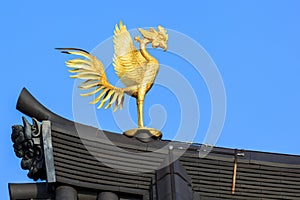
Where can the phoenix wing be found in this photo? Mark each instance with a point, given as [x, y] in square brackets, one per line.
[129, 63]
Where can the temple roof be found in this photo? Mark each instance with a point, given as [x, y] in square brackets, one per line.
[79, 160]
[93, 160]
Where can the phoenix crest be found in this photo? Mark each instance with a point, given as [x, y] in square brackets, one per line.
[137, 70]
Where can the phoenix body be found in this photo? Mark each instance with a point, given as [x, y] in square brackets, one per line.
[137, 69]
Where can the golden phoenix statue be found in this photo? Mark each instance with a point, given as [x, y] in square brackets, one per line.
[137, 70]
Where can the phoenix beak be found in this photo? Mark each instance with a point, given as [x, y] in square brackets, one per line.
[164, 46]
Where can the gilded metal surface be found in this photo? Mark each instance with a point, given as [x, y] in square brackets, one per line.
[137, 69]
[135, 131]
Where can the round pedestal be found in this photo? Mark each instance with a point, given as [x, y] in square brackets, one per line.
[144, 134]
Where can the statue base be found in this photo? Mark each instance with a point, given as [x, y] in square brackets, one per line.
[144, 134]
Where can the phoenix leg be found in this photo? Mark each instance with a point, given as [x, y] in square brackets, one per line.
[140, 107]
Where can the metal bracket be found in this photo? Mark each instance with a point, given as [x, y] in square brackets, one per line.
[48, 151]
[237, 153]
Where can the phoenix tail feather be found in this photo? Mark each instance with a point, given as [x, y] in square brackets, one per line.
[90, 69]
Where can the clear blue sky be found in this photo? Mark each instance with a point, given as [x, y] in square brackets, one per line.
[255, 45]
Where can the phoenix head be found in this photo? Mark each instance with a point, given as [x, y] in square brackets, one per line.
[157, 38]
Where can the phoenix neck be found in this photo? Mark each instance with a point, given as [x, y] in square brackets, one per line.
[144, 51]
